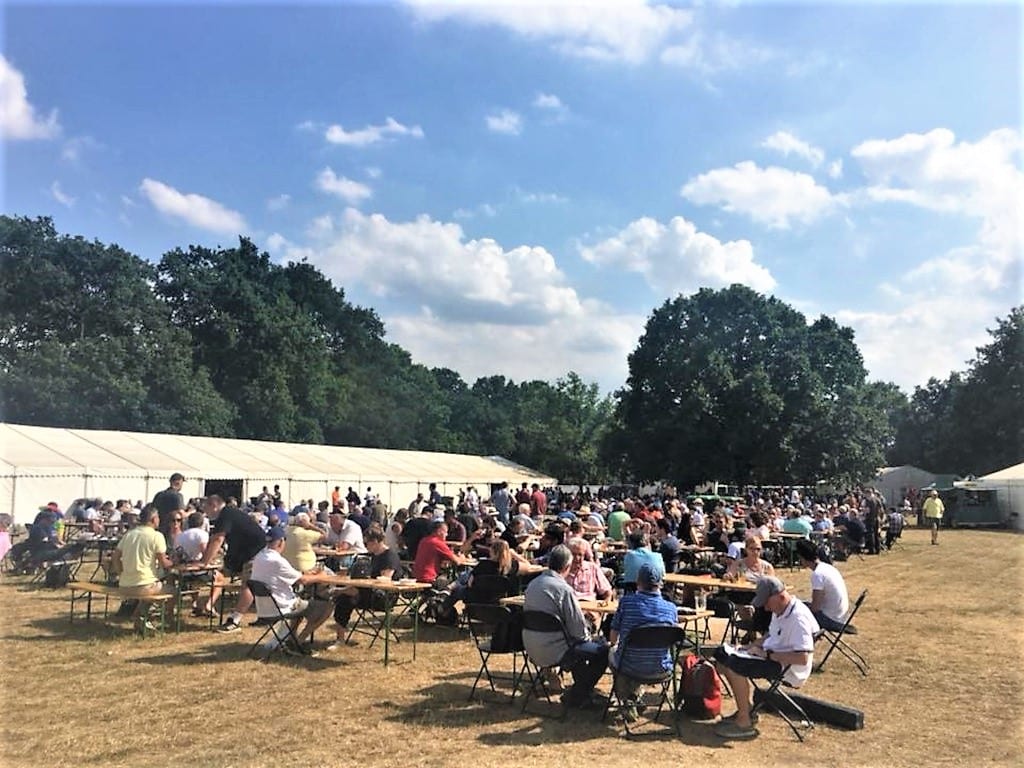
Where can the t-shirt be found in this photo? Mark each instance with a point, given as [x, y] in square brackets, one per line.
[933, 507]
[635, 610]
[167, 502]
[797, 525]
[298, 547]
[387, 560]
[242, 534]
[794, 630]
[270, 567]
[669, 550]
[193, 543]
[615, 522]
[139, 549]
[431, 555]
[637, 557]
[829, 580]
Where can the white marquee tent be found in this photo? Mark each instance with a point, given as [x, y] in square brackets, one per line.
[43, 464]
[1008, 485]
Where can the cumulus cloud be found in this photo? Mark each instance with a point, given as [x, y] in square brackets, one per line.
[340, 186]
[773, 196]
[626, 30]
[18, 117]
[548, 101]
[61, 196]
[835, 169]
[371, 134]
[199, 211]
[278, 202]
[429, 262]
[710, 54]
[677, 258]
[788, 144]
[76, 146]
[506, 121]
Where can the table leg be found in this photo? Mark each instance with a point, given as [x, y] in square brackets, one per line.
[415, 623]
[387, 628]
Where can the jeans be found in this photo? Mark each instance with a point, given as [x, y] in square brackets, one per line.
[587, 661]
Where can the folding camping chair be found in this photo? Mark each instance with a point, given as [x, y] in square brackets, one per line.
[495, 631]
[668, 637]
[272, 623]
[774, 696]
[834, 635]
[536, 684]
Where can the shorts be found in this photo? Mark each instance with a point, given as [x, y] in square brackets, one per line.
[243, 574]
[934, 522]
[157, 587]
[752, 668]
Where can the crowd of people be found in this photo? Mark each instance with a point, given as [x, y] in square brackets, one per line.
[562, 548]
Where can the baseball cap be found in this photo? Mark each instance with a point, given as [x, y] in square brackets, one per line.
[649, 576]
[766, 587]
[275, 534]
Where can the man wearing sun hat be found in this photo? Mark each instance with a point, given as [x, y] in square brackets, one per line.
[789, 643]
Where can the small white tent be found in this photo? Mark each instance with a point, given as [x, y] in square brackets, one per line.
[894, 483]
[43, 464]
[1008, 485]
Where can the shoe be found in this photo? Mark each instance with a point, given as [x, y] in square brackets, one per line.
[203, 613]
[630, 714]
[730, 730]
[229, 626]
[297, 648]
[730, 718]
[144, 626]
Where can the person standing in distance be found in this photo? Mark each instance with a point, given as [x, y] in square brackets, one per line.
[933, 509]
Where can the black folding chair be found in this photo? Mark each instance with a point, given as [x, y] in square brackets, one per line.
[371, 615]
[836, 642]
[535, 683]
[272, 623]
[775, 697]
[654, 637]
[495, 631]
[488, 589]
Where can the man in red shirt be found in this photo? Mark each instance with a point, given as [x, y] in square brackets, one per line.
[432, 554]
[538, 501]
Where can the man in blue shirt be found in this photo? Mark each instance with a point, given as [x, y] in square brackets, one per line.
[640, 554]
[645, 606]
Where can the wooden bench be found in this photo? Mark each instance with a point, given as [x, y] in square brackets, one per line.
[89, 588]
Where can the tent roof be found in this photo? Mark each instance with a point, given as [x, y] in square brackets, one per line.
[45, 451]
[1016, 472]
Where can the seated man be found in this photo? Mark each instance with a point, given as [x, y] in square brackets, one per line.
[585, 658]
[137, 556]
[270, 567]
[433, 553]
[640, 554]
[789, 643]
[830, 601]
[585, 576]
[384, 562]
[894, 529]
[645, 606]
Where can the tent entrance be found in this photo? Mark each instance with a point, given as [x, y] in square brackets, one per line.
[223, 488]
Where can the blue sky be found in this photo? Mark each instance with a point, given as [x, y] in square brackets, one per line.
[515, 187]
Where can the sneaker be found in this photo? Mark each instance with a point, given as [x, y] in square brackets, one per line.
[145, 625]
[229, 626]
[730, 730]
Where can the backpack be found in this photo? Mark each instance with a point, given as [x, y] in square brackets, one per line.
[701, 691]
[57, 575]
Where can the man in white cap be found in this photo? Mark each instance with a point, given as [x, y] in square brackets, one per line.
[788, 644]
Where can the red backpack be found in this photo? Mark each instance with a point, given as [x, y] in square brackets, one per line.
[701, 689]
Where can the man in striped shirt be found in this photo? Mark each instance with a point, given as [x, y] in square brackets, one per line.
[645, 606]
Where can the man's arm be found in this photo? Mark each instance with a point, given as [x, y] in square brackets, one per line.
[212, 547]
[817, 600]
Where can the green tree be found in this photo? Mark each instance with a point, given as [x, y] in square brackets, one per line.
[85, 343]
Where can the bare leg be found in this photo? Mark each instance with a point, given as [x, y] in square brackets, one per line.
[741, 693]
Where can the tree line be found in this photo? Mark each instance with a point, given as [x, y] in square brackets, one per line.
[727, 385]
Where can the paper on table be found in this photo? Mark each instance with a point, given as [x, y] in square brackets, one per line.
[735, 651]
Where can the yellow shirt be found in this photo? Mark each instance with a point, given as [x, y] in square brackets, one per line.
[933, 507]
[139, 549]
[298, 547]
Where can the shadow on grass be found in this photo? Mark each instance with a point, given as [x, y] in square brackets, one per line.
[238, 652]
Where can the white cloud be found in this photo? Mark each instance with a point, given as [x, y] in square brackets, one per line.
[506, 121]
[74, 148]
[981, 180]
[835, 169]
[483, 209]
[278, 202]
[428, 262]
[199, 211]
[541, 197]
[61, 196]
[626, 30]
[373, 172]
[709, 54]
[788, 144]
[371, 134]
[677, 258]
[18, 118]
[548, 101]
[340, 186]
[773, 196]
[127, 201]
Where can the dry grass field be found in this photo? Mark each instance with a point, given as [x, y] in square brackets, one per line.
[942, 627]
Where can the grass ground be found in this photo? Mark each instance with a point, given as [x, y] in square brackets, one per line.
[942, 627]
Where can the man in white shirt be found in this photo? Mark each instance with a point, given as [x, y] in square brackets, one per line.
[830, 602]
[344, 535]
[789, 643]
[270, 568]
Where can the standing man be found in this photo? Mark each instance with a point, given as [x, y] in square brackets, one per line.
[245, 539]
[538, 502]
[933, 509]
[170, 502]
[586, 657]
[502, 501]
